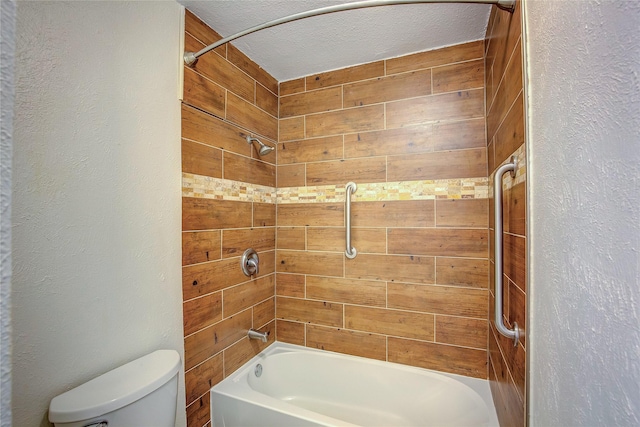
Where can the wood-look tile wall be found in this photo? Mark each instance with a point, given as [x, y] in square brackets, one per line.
[417, 293]
[505, 135]
[226, 97]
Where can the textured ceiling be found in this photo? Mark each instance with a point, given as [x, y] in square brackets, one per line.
[341, 39]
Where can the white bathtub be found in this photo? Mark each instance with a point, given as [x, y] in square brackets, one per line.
[299, 387]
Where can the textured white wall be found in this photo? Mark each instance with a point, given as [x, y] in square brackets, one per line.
[584, 176]
[7, 49]
[96, 194]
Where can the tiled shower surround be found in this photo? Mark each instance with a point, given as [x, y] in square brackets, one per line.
[505, 130]
[411, 132]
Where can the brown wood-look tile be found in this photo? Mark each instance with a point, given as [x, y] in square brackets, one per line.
[218, 70]
[467, 104]
[462, 331]
[462, 213]
[512, 404]
[345, 121]
[241, 297]
[207, 342]
[243, 62]
[438, 165]
[251, 117]
[398, 213]
[202, 279]
[434, 58]
[364, 292]
[267, 263]
[264, 214]
[517, 309]
[310, 150]
[201, 31]
[201, 159]
[516, 210]
[263, 313]
[345, 75]
[390, 88]
[291, 332]
[414, 139]
[203, 93]
[447, 300]
[492, 18]
[461, 76]
[489, 85]
[491, 157]
[291, 238]
[244, 169]
[515, 260]
[390, 322]
[318, 263]
[417, 139]
[290, 285]
[460, 242]
[207, 214]
[342, 171]
[291, 129]
[502, 41]
[292, 86]
[201, 246]
[200, 379]
[348, 342]
[506, 94]
[311, 102]
[459, 135]
[417, 269]
[365, 240]
[510, 135]
[241, 352]
[456, 360]
[301, 310]
[235, 242]
[202, 127]
[201, 312]
[266, 100]
[290, 175]
[198, 413]
[462, 272]
[311, 214]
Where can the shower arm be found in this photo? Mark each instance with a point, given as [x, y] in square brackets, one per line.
[190, 58]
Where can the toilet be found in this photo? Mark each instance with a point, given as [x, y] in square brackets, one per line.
[141, 393]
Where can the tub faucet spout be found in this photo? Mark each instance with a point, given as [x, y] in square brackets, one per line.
[257, 335]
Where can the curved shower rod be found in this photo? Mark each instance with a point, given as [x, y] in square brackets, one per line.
[190, 58]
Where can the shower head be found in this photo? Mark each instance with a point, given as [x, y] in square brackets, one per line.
[264, 149]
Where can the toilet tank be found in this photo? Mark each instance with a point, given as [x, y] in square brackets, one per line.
[141, 393]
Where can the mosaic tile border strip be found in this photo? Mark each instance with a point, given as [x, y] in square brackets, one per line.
[223, 189]
[207, 187]
[468, 188]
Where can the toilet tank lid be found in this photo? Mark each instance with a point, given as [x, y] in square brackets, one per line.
[115, 389]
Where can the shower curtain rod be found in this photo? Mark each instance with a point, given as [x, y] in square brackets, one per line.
[190, 58]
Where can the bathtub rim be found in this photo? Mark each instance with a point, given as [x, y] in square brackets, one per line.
[230, 384]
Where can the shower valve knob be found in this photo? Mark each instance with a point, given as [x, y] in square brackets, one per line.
[250, 262]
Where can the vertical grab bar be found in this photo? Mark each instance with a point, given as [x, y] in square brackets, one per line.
[514, 333]
[350, 252]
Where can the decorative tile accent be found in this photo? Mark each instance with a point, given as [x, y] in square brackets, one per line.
[470, 188]
[225, 189]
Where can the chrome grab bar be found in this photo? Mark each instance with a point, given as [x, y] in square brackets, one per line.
[514, 333]
[350, 251]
